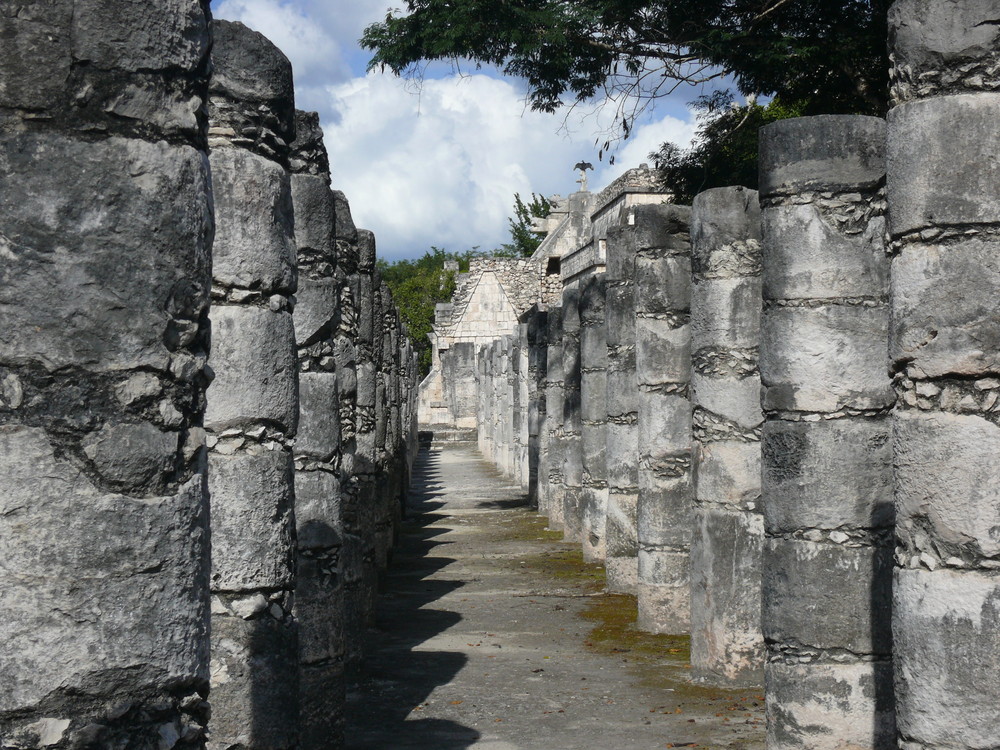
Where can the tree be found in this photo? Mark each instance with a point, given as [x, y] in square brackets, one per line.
[830, 56]
[523, 240]
[724, 151]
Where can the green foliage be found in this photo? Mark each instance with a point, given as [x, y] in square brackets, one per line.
[417, 286]
[811, 56]
[523, 241]
[725, 149]
[831, 56]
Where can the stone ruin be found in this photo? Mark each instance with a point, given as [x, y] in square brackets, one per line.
[773, 416]
[207, 398]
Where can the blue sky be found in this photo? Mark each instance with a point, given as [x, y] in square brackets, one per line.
[437, 164]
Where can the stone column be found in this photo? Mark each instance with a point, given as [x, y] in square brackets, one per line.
[507, 405]
[944, 210]
[524, 408]
[518, 407]
[826, 480]
[593, 419]
[727, 536]
[253, 406]
[105, 234]
[365, 456]
[622, 429]
[351, 563]
[319, 596]
[537, 362]
[663, 371]
[551, 500]
[572, 447]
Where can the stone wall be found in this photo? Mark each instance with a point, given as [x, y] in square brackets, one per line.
[149, 376]
[837, 534]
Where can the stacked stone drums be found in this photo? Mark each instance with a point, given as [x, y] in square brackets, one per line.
[105, 238]
[726, 642]
[944, 208]
[827, 480]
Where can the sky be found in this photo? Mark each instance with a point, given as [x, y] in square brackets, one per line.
[438, 164]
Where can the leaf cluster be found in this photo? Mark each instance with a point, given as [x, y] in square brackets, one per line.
[724, 152]
[828, 56]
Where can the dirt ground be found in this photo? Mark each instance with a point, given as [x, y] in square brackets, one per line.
[493, 634]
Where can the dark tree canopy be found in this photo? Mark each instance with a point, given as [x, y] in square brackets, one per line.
[827, 55]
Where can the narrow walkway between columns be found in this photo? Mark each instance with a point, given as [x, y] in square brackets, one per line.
[493, 634]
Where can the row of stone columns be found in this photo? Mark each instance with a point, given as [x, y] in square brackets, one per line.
[179, 566]
[807, 430]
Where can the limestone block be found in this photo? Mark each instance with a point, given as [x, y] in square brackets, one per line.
[344, 223]
[622, 386]
[319, 425]
[323, 688]
[662, 284]
[826, 358]
[252, 521]
[726, 642]
[622, 538]
[315, 309]
[248, 67]
[662, 351]
[125, 35]
[830, 706]
[725, 313]
[254, 237]
[319, 608]
[827, 596]
[38, 55]
[931, 37]
[808, 255]
[620, 314]
[593, 348]
[721, 217]
[663, 591]
[94, 310]
[316, 215]
[830, 475]
[622, 454]
[364, 306]
[945, 310]
[659, 228]
[367, 252]
[256, 369]
[129, 569]
[729, 473]
[254, 682]
[952, 184]
[946, 484]
[735, 400]
[664, 510]
[664, 424]
[947, 641]
[829, 152]
[319, 517]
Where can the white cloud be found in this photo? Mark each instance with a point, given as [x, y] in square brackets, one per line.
[442, 168]
[438, 167]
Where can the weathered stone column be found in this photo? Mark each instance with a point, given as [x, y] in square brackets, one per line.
[944, 210]
[593, 419]
[826, 481]
[551, 502]
[518, 406]
[319, 596]
[253, 406]
[105, 235]
[622, 429]
[537, 362]
[727, 536]
[663, 371]
[508, 405]
[572, 448]
[365, 455]
[351, 564]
